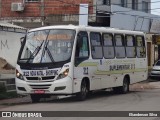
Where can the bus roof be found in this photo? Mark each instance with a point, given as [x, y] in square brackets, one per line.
[88, 28]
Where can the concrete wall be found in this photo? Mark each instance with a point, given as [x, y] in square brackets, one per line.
[10, 45]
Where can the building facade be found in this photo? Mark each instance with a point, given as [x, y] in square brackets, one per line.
[104, 9]
[122, 14]
[139, 5]
[35, 13]
[50, 12]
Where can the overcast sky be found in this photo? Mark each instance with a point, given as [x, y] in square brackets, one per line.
[155, 5]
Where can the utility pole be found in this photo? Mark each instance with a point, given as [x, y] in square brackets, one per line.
[0, 8]
[42, 11]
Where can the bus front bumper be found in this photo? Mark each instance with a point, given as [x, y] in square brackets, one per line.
[57, 87]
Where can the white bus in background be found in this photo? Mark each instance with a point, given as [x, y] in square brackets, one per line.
[73, 60]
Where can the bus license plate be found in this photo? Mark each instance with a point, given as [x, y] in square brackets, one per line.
[39, 91]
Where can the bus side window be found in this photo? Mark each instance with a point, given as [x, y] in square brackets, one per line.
[108, 46]
[82, 47]
[119, 46]
[130, 46]
[140, 46]
[96, 45]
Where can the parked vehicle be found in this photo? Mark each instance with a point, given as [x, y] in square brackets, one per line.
[155, 72]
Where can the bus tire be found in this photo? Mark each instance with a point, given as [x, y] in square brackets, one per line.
[35, 98]
[125, 87]
[84, 91]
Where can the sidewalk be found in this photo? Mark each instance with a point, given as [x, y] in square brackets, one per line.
[143, 86]
[155, 84]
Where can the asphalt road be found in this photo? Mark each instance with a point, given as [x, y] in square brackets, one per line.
[136, 100]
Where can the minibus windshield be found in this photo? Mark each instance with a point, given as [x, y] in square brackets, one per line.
[46, 46]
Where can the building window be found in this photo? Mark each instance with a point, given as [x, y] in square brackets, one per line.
[124, 3]
[106, 2]
[135, 4]
[32, 0]
[145, 6]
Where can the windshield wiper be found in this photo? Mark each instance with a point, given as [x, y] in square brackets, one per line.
[35, 52]
[48, 51]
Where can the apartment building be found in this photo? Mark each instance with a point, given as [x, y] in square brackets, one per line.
[140, 5]
[104, 9]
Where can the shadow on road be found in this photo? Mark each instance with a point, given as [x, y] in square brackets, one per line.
[92, 96]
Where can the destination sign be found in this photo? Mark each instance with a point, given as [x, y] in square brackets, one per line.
[49, 72]
[53, 37]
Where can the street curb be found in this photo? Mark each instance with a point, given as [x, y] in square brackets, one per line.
[155, 84]
[142, 86]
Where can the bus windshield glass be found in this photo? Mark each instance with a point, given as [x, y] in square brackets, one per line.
[46, 46]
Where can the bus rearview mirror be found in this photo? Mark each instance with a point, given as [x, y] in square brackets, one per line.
[21, 40]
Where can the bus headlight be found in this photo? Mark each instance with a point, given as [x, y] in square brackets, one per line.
[63, 74]
[19, 75]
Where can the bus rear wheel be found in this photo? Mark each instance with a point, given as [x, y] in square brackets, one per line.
[124, 88]
[84, 91]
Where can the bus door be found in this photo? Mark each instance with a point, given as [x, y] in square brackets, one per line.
[81, 58]
[84, 67]
[97, 57]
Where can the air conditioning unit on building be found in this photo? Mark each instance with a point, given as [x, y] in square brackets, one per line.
[17, 7]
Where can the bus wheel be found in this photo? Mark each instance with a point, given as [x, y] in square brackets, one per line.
[122, 89]
[125, 88]
[35, 98]
[84, 91]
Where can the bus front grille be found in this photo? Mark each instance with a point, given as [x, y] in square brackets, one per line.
[41, 78]
[45, 86]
